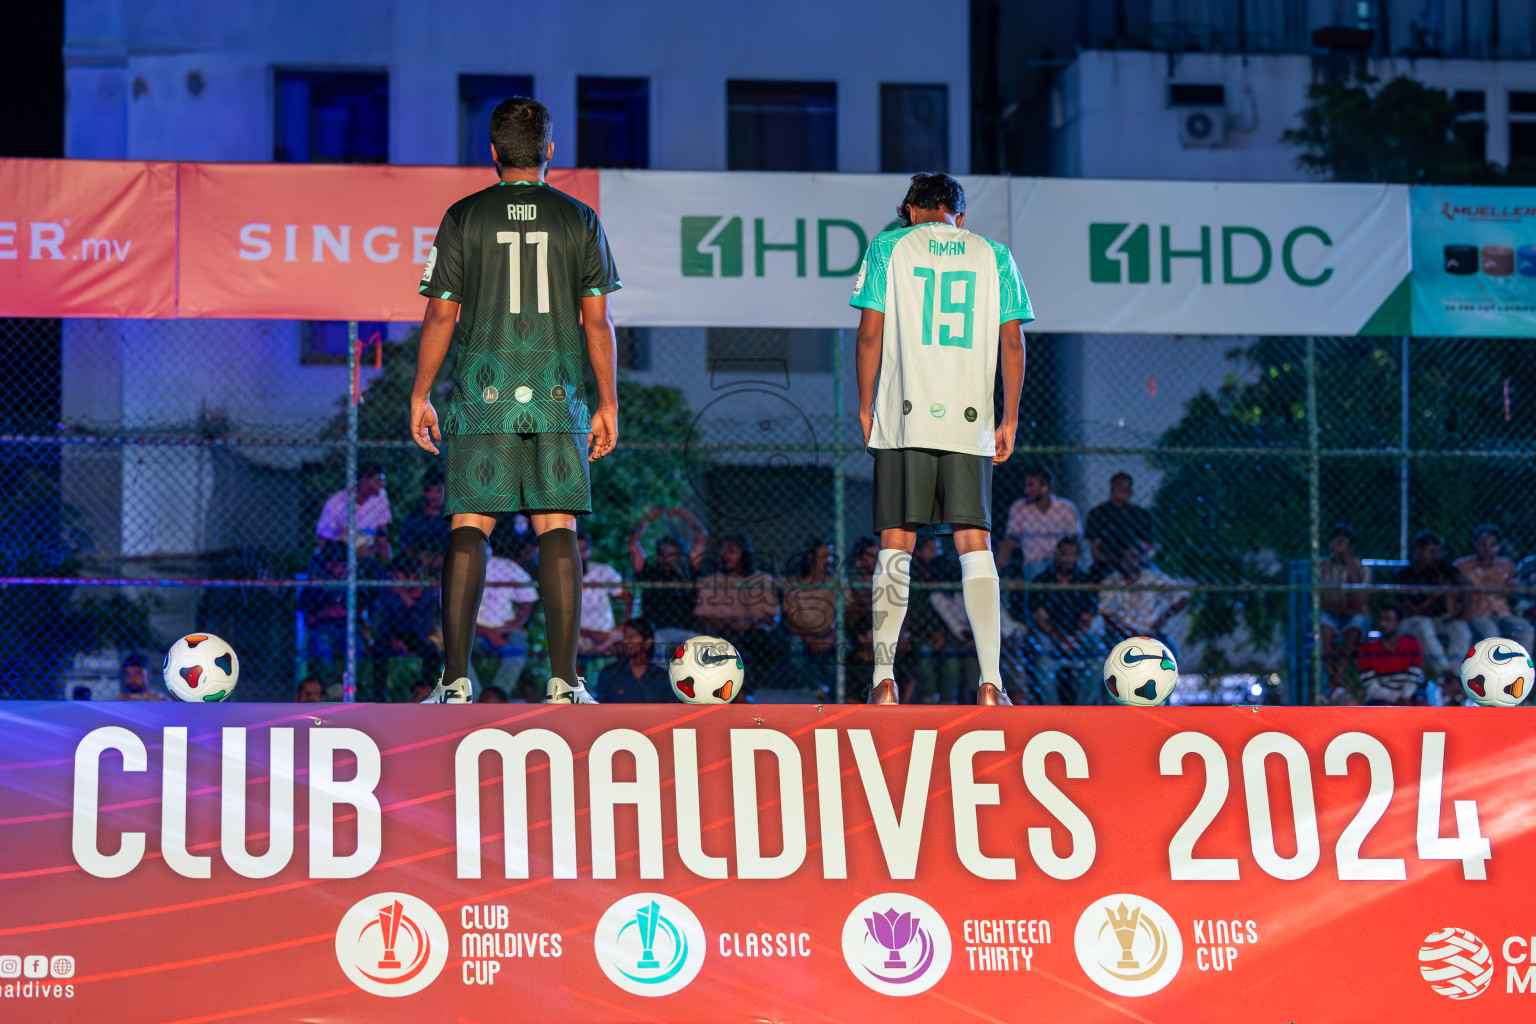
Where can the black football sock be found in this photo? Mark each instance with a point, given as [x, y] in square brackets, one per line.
[463, 587]
[560, 589]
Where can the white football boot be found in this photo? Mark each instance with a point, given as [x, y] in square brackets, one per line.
[456, 692]
[561, 692]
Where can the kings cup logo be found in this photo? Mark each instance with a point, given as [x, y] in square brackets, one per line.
[649, 944]
[1128, 945]
[392, 944]
[896, 944]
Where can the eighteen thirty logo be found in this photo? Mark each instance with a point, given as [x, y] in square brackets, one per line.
[896, 944]
[392, 944]
[1128, 945]
[718, 246]
[1123, 253]
[650, 944]
[1456, 963]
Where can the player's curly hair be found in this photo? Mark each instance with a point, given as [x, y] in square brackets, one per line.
[520, 130]
[930, 190]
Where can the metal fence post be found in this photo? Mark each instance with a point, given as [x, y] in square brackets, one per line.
[1314, 527]
[839, 538]
[1404, 469]
[349, 678]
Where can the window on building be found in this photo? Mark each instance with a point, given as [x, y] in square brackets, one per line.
[1522, 126]
[770, 350]
[914, 128]
[331, 117]
[781, 126]
[613, 122]
[1471, 125]
[324, 342]
[478, 96]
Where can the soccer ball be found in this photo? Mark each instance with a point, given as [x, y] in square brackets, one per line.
[1497, 673]
[1140, 671]
[706, 670]
[201, 668]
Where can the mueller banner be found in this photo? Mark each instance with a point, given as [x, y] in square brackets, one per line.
[87, 238]
[1213, 257]
[1474, 262]
[320, 242]
[757, 249]
[741, 863]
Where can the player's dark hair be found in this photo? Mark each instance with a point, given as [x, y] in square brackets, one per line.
[134, 661]
[672, 542]
[744, 546]
[1122, 475]
[647, 635]
[432, 478]
[1424, 538]
[520, 130]
[1044, 474]
[931, 190]
[1069, 541]
[1487, 530]
[1342, 530]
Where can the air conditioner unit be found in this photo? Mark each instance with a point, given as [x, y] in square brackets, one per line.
[1201, 126]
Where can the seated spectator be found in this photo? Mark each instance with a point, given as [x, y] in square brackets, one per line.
[492, 695]
[635, 678]
[325, 607]
[930, 669]
[1391, 666]
[1137, 599]
[1037, 521]
[599, 630]
[407, 619]
[959, 644]
[668, 608]
[1489, 575]
[310, 691]
[1525, 578]
[1344, 618]
[1116, 523]
[501, 628]
[858, 625]
[810, 607]
[373, 515]
[1065, 647]
[134, 683]
[424, 532]
[740, 604]
[1428, 614]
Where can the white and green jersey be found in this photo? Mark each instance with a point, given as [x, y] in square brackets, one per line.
[944, 292]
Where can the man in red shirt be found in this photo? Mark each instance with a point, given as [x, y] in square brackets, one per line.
[1391, 665]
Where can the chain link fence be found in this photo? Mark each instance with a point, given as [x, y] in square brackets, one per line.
[166, 477]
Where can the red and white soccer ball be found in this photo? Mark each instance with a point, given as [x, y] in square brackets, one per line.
[201, 668]
[1497, 673]
[706, 670]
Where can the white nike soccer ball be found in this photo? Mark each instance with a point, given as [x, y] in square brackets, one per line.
[1140, 671]
[201, 668]
[1497, 673]
[706, 670]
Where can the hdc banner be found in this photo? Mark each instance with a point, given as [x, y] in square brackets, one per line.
[87, 238]
[1474, 262]
[1213, 257]
[788, 863]
[322, 242]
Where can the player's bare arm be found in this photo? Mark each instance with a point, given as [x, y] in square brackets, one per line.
[1011, 354]
[597, 321]
[867, 363]
[436, 334]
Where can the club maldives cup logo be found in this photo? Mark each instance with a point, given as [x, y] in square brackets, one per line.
[1128, 945]
[392, 944]
[896, 944]
[1456, 963]
[649, 944]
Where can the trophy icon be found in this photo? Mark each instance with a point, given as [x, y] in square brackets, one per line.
[389, 925]
[647, 918]
[893, 931]
[1124, 925]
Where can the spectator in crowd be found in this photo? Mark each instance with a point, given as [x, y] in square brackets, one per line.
[858, 624]
[1525, 578]
[501, 628]
[373, 515]
[810, 606]
[635, 678]
[1344, 618]
[1391, 666]
[933, 674]
[424, 531]
[406, 622]
[1037, 521]
[493, 695]
[134, 682]
[668, 608]
[739, 603]
[1116, 523]
[1436, 610]
[310, 691]
[599, 629]
[1489, 575]
[959, 644]
[1137, 599]
[1065, 648]
[325, 607]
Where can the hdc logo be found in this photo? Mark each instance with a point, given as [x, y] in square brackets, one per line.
[1122, 253]
[717, 246]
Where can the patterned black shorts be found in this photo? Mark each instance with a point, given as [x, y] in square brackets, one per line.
[491, 474]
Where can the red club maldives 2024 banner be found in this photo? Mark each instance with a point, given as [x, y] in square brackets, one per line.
[788, 863]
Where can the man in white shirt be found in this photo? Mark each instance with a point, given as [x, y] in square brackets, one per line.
[1038, 521]
[373, 515]
[599, 631]
[502, 624]
[1137, 599]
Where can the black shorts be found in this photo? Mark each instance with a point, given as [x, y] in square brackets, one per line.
[922, 486]
[492, 474]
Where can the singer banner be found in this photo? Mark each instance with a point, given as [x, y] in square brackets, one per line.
[178, 863]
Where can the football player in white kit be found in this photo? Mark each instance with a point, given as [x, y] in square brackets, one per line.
[941, 306]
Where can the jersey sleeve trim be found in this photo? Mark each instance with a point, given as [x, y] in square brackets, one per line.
[1013, 300]
[435, 293]
[593, 293]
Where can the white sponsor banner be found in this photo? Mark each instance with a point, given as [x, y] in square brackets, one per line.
[1213, 257]
[756, 249]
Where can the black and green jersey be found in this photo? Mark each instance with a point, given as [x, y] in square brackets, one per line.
[518, 257]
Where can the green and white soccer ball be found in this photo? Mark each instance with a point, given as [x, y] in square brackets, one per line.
[706, 670]
[201, 668]
[1140, 671]
[1497, 673]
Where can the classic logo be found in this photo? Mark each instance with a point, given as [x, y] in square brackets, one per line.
[1122, 253]
[1128, 945]
[649, 944]
[392, 944]
[1456, 963]
[896, 944]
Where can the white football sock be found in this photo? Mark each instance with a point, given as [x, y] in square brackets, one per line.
[983, 607]
[888, 606]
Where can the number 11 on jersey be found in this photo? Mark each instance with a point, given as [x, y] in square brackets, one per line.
[513, 241]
